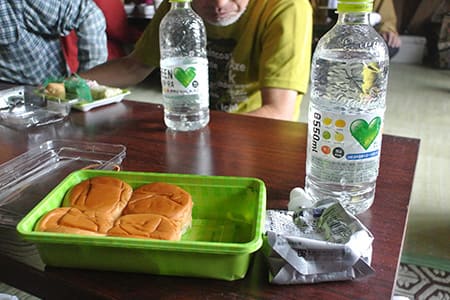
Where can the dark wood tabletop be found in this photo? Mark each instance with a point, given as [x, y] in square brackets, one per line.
[231, 145]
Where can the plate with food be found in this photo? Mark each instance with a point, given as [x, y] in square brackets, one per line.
[84, 105]
[83, 94]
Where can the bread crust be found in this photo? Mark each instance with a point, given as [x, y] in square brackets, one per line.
[102, 194]
[145, 226]
[162, 198]
[73, 220]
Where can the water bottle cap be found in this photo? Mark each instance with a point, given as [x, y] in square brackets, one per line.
[355, 5]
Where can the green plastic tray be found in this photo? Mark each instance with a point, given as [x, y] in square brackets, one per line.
[228, 219]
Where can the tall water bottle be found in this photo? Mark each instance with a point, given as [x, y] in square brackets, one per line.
[184, 68]
[345, 119]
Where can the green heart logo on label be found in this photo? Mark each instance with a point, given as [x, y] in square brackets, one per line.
[185, 77]
[365, 133]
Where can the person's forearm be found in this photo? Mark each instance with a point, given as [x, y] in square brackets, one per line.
[268, 111]
[277, 104]
[121, 72]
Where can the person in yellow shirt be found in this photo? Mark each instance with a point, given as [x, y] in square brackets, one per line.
[259, 55]
[387, 27]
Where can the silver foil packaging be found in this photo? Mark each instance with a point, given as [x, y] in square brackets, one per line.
[316, 244]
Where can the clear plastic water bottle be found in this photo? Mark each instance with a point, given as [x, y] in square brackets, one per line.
[184, 68]
[345, 119]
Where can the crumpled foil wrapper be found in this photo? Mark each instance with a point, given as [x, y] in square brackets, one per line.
[316, 244]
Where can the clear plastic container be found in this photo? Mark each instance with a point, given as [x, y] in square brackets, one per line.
[27, 178]
[21, 107]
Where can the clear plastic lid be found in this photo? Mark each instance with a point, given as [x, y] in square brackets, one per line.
[27, 178]
[21, 107]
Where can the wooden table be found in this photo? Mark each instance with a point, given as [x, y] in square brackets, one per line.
[232, 145]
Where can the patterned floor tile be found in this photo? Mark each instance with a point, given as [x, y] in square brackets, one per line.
[422, 283]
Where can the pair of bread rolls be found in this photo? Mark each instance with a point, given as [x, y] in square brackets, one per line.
[155, 210]
[108, 206]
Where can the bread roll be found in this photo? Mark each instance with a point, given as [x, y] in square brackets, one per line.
[55, 89]
[145, 226]
[163, 199]
[73, 220]
[103, 194]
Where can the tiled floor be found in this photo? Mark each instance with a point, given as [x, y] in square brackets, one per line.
[422, 283]
[418, 105]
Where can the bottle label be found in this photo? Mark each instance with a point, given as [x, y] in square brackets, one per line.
[344, 148]
[184, 79]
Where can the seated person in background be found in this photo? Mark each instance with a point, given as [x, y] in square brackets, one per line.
[118, 33]
[30, 32]
[258, 50]
[383, 18]
[388, 24]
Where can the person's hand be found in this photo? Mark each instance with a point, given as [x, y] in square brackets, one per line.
[392, 39]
